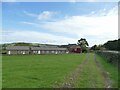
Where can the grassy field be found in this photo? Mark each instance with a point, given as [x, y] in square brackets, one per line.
[111, 69]
[0, 72]
[90, 76]
[37, 71]
[97, 73]
[48, 71]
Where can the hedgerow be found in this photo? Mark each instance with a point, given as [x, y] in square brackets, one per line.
[111, 56]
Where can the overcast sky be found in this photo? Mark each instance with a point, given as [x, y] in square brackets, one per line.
[59, 22]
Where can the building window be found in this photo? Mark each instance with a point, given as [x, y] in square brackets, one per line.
[20, 52]
[34, 52]
[52, 51]
[43, 52]
[56, 52]
[75, 49]
[23, 52]
[9, 52]
[67, 52]
[47, 51]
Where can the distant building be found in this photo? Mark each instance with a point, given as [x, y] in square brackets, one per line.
[48, 50]
[17, 49]
[35, 50]
[73, 48]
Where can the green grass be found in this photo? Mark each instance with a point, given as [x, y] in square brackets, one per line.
[111, 69]
[38, 71]
[48, 71]
[0, 72]
[90, 76]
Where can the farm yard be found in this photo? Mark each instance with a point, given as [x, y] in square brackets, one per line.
[86, 70]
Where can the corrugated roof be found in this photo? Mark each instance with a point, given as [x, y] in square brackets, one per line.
[47, 48]
[33, 48]
[17, 48]
[75, 46]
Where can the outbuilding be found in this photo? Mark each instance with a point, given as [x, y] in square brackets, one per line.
[75, 49]
[48, 50]
[17, 50]
[35, 50]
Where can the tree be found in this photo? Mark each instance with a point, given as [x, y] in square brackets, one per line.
[113, 45]
[97, 47]
[93, 47]
[22, 44]
[83, 44]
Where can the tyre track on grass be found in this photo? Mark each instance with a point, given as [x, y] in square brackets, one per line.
[107, 80]
[71, 80]
[73, 77]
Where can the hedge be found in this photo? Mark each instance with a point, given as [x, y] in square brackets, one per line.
[111, 56]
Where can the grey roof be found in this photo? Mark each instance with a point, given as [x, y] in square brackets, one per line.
[74, 46]
[33, 48]
[47, 48]
[17, 48]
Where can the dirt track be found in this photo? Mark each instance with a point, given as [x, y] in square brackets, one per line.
[72, 79]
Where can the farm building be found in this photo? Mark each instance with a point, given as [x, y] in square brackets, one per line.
[35, 50]
[73, 48]
[17, 49]
[48, 50]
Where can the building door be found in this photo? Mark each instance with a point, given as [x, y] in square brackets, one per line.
[56, 52]
[38, 52]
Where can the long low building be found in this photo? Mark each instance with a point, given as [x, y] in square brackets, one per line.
[18, 50]
[35, 50]
[47, 50]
